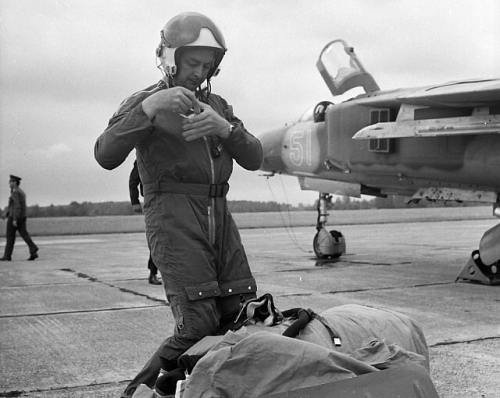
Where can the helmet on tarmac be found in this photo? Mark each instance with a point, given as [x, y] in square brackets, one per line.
[189, 30]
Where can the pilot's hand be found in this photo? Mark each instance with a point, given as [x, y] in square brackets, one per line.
[14, 223]
[137, 208]
[205, 124]
[176, 100]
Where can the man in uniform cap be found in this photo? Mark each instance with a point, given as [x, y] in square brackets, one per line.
[16, 221]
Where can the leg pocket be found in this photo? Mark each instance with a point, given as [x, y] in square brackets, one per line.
[201, 315]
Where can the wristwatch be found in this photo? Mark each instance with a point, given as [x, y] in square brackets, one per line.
[231, 128]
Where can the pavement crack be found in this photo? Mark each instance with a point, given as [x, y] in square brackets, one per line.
[122, 289]
[36, 314]
[453, 342]
[365, 290]
[389, 288]
[14, 393]
[89, 388]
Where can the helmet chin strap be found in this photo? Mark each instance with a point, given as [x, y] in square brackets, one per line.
[201, 93]
[167, 77]
[159, 65]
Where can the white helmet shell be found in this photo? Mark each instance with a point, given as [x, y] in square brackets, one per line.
[189, 29]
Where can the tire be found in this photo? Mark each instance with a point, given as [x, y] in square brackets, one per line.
[317, 250]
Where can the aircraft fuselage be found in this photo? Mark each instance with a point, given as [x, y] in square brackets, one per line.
[325, 149]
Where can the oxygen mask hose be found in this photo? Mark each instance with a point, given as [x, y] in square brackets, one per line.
[303, 318]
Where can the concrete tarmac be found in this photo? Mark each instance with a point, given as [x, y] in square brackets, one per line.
[82, 319]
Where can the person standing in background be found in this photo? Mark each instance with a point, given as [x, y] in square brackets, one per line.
[16, 221]
[135, 186]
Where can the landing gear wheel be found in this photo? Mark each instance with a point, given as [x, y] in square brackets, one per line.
[318, 244]
[317, 251]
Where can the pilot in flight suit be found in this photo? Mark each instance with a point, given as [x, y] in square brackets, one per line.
[185, 161]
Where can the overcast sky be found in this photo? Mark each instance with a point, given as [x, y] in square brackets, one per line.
[66, 65]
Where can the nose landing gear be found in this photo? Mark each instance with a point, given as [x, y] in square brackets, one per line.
[326, 243]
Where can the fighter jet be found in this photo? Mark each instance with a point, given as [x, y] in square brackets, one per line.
[439, 142]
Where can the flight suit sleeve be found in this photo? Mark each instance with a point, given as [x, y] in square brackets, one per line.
[124, 132]
[243, 147]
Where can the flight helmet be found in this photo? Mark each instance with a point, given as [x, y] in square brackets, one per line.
[189, 30]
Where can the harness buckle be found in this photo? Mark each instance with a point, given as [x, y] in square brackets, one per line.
[218, 190]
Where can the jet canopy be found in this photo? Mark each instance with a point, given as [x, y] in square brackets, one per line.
[341, 70]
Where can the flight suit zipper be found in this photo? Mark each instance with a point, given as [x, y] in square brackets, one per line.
[211, 205]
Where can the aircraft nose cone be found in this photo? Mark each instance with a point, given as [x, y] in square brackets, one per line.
[272, 143]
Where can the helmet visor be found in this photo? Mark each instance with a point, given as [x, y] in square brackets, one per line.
[187, 29]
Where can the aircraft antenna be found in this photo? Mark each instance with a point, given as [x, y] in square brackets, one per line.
[288, 228]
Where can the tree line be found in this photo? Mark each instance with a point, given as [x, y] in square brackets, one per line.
[75, 209]
[89, 209]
